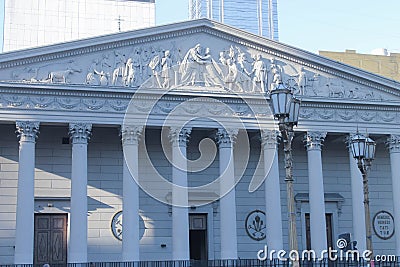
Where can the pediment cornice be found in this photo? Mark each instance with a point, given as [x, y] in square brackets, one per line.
[187, 28]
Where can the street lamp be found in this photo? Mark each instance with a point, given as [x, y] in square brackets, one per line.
[363, 150]
[285, 108]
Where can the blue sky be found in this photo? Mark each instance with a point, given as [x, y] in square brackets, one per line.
[316, 25]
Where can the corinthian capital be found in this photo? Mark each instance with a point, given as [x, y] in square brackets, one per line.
[314, 140]
[393, 143]
[130, 135]
[80, 132]
[27, 131]
[226, 137]
[269, 138]
[179, 136]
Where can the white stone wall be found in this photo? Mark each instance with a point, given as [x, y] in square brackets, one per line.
[105, 158]
[8, 191]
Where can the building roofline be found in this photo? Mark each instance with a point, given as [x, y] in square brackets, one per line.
[115, 40]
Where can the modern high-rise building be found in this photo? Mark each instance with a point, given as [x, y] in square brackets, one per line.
[256, 16]
[42, 22]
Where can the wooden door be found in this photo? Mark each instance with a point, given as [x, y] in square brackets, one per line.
[50, 245]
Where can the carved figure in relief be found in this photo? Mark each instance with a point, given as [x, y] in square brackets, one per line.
[231, 76]
[91, 79]
[145, 58]
[222, 58]
[302, 81]
[275, 71]
[243, 79]
[90, 76]
[166, 71]
[103, 77]
[212, 70]
[155, 68]
[129, 73]
[315, 85]
[120, 62]
[61, 75]
[136, 61]
[259, 72]
[353, 93]
[335, 88]
[190, 68]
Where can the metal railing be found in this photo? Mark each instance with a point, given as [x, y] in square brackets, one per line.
[226, 263]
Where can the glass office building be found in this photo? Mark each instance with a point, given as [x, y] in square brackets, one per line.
[256, 16]
[42, 22]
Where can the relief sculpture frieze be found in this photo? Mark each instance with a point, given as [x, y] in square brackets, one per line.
[206, 67]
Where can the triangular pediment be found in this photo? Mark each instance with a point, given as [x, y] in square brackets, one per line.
[202, 56]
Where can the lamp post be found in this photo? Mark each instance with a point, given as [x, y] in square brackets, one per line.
[363, 150]
[285, 108]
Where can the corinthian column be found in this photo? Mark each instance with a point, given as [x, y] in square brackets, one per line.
[130, 192]
[314, 142]
[27, 132]
[79, 134]
[273, 210]
[180, 216]
[394, 149]
[227, 204]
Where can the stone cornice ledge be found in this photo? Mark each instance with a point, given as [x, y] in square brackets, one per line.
[122, 92]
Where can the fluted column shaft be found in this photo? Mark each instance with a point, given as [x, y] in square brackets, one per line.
[314, 142]
[180, 215]
[225, 139]
[357, 199]
[24, 234]
[394, 149]
[130, 192]
[273, 210]
[79, 134]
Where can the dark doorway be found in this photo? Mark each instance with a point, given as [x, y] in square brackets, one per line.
[50, 244]
[198, 237]
[329, 230]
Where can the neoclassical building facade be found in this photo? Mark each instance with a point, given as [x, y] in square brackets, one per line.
[169, 130]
